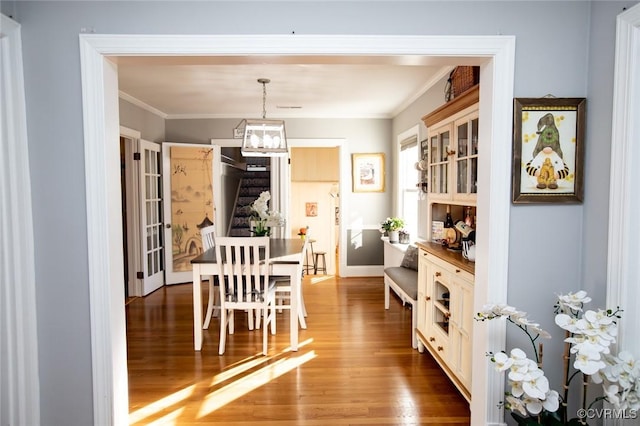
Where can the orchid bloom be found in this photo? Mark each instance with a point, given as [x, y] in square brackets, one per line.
[573, 301]
[591, 335]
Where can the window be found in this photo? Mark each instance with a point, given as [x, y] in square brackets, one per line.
[408, 177]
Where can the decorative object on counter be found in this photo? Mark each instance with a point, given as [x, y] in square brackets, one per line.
[448, 223]
[392, 226]
[450, 234]
[468, 218]
[548, 142]
[263, 219]
[469, 250]
[464, 229]
[437, 231]
[368, 172]
[302, 233]
[589, 337]
[403, 237]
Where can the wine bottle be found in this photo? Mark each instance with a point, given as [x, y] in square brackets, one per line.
[468, 220]
[448, 223]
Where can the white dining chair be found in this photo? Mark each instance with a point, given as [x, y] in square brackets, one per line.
[208, 238]
[283, 290]
[247, 285]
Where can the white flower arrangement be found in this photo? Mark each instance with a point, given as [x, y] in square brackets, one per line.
[263, 217]
[589, 337]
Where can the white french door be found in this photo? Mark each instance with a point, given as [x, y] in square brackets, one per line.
[189, 182]
[151, 235]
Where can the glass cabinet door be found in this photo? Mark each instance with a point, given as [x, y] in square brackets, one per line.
[467, 157]
[438, 165]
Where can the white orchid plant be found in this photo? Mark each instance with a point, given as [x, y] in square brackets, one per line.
[588, 341]
[262, 217]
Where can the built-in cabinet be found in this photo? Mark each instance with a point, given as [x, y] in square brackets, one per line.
[452, 150]
[445, 278]
[445, 312]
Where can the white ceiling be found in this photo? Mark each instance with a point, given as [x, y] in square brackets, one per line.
[301, 86]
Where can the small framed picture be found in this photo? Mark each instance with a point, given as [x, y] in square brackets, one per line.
[311, 209]
[548, 145]
[368, 172]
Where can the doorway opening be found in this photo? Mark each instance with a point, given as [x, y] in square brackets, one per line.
[99, 83]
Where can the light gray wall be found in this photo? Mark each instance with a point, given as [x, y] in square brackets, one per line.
[151, 126]
[562, 48]
[362, 135]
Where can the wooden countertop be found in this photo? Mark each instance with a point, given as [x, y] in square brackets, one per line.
[453, 257]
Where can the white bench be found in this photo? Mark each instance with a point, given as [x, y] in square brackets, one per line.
[403, 281]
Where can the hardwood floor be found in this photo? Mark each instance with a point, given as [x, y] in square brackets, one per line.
[355, 365]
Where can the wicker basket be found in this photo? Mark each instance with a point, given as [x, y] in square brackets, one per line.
[463, 78]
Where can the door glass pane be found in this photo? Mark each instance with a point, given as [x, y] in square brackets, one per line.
[439, 178]
[149, 239]
[444, 146]
[474, 136]
[443, 178]
[462, 140]
[435, 152]
[474, 175]
[191, 201]
[461, 187]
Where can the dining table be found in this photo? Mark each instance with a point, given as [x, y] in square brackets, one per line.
[285, 259]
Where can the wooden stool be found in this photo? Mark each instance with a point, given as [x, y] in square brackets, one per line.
[316, 262]
[310, 261]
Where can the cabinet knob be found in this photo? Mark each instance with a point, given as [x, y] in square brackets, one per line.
[457, 270]
[437, 274]
[447, 315]
[450, 152]
[428, 298]
[440, 348]
[432, 339]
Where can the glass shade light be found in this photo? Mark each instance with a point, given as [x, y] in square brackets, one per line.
[263, 138]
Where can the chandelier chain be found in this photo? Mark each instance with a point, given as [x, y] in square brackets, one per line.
[264, 100]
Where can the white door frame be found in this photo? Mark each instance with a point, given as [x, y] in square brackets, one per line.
[133, 211]
[100, 104]
[343, 169]
[20, 388]
[623, 269]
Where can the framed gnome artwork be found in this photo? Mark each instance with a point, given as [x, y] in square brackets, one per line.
[548, 150]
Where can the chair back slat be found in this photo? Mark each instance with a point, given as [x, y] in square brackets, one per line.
[208, 235]
[242, 263]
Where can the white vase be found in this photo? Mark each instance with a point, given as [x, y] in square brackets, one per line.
[394, 236]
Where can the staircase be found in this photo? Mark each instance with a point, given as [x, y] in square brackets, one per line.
[255, 180]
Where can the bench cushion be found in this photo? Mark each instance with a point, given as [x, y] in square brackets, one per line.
[405, 278]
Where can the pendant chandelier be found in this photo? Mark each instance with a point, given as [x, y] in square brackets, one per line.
[262, 137]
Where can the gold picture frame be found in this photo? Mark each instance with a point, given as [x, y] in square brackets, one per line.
[368, 174]
[548, 150]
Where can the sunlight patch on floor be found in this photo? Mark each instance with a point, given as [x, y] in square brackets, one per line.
[241, 367]
[242, 386]
[161, 404]
[315, 279]
[300, 345]
[168, 420]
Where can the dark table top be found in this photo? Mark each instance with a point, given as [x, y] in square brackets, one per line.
[279, 248]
